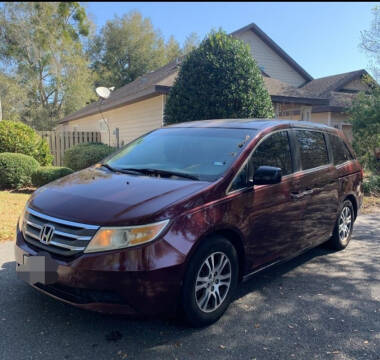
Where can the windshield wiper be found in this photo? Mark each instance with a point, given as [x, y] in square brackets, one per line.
[109, 167]
[124, 171]
[163, 172]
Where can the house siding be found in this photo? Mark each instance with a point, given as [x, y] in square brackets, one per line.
[270, 61]
[132, 120]
[321, 118]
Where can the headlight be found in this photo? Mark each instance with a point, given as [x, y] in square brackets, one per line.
[21, 219]
[117, 238]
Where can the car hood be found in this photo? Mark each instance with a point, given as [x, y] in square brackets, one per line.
[99, 196]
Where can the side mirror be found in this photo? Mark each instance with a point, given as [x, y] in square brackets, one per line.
[267, 175]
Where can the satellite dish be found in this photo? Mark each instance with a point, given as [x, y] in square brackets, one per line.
[103, 92]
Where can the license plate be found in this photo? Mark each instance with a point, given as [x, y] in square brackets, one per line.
[37, 269]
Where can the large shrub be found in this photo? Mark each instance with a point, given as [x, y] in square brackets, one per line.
[219, 79]
[16, 170]
[371, 185]
[85, 155]
[46, 174]
[16, 137]
[365, 119]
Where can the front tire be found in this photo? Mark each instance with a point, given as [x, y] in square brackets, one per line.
[210, 281]
[343, 227]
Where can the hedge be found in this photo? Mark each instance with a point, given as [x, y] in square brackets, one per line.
[17, 137]
[16, 170]
[46, 174]
[84, 155]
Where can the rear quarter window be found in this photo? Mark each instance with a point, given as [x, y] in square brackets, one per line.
[340, 151]
[313, 149]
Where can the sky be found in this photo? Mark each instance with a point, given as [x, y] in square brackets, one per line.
[321, 37]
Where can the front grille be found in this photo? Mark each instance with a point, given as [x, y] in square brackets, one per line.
[68, 239]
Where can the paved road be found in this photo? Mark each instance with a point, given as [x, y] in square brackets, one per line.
[322, 305]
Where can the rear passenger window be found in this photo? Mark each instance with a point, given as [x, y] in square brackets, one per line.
[340, 152]
[274, 151]
[313, 150]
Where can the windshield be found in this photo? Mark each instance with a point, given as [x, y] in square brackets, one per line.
[200, 153]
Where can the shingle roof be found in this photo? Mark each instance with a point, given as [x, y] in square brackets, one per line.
[161, 80]
[143, 87]
[278, 88]
[324, 85]
[338, 102]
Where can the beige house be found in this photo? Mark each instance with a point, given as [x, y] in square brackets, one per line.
[138, 107]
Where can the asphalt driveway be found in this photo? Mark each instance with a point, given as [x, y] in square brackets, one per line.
[322, 305]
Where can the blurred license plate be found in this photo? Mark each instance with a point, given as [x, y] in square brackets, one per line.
[37, 269]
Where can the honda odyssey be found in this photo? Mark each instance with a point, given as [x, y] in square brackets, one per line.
[177, 218]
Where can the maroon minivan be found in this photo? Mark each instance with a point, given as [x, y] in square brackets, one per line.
[175, 219]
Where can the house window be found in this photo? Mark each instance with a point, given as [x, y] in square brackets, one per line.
[306, 113]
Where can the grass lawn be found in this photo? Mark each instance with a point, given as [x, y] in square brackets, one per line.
[12, 203]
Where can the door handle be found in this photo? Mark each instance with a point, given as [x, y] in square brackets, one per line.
[297, 195]
[300, 195]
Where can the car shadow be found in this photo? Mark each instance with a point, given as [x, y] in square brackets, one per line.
[317, 306]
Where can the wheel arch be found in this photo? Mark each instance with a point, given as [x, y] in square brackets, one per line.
[234, 237]
[354, 203]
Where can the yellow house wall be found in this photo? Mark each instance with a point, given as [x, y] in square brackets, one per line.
[132, 120]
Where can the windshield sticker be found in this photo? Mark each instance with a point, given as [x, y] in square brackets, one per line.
[219, 163]
[244, 141]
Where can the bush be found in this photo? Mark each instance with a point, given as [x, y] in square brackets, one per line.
[371, 185]
[46, 174]
[85, 155]
[16, 170]
[220, 79]
[16, 137]
[365, 119]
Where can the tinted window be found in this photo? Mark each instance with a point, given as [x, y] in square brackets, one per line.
[202, 152]
[339, 149]
[274, 151]
[313, 149]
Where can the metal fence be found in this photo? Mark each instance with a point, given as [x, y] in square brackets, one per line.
[60, 141]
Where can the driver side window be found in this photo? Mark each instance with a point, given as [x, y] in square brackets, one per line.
[273, 151]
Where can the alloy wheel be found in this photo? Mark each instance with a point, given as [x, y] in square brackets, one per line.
[345, 224]
[213, 282]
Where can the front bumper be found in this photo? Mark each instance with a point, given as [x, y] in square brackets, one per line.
[142, 280]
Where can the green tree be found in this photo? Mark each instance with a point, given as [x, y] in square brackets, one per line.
[370, 42]
[365, 119]
[127, 47]
[219, 79]
[13, 98]
[172, 49]
[41, 48]
[192, 42]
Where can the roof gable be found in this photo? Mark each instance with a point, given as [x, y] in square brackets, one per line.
[275, 49]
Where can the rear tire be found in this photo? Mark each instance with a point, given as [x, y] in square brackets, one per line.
[210, 281]
[343, 227]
